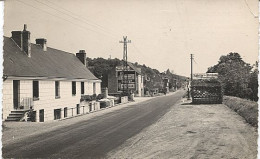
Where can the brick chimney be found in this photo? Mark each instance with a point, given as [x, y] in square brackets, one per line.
[42, 42]
[81, 55]
[22, 39]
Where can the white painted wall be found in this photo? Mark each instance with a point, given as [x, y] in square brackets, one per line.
[47, 99]
[140, 85]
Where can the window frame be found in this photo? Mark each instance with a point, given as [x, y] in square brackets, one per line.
[57, 89]
[36, 91]
[82, 87]
[74, 88]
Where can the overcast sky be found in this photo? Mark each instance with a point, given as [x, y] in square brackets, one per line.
[163, 32]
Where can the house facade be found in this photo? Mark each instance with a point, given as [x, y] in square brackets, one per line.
[48, 81]
[131, 80]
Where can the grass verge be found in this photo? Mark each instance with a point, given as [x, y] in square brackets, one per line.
[245, 108]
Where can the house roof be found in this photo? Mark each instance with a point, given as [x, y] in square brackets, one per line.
[52, 63]
[138, 70]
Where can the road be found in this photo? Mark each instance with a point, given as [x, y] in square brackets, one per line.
[95, 137]
[190, 131]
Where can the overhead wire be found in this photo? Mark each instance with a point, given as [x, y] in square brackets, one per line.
[83, 28]
[81, 18]
[255, 16]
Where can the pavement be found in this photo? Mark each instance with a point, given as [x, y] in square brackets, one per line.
[14, 131]
[88, 136]
[193, 131]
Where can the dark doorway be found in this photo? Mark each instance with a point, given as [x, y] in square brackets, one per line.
[41, 115]
[78, 109]
[16, 93]
[90, 107]
[65, 112]
[57, 114]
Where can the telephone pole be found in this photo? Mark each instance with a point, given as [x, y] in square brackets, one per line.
[191, 74]
[125, 41]
[191, 69]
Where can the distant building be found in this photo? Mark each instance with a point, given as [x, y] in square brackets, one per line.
[166, 84]
[46, 80]
[130, 80]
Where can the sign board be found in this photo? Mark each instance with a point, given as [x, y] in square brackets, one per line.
[120, 68]
[130, 86]
[205, 76]
[127, 76]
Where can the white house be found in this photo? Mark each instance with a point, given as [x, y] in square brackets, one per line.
[49, 81]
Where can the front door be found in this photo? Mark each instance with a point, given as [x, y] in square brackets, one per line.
[16, 93]
[41, 115]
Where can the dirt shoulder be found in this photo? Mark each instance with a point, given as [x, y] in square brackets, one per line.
[193, 131]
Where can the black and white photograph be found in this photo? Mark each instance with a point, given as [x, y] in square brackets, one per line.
[137, 79]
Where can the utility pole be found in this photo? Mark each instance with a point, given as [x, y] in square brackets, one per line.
[191, 74]
[125, 41]
[191, 69]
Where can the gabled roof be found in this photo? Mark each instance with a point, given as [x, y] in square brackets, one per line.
[52, 63]
[138, 70]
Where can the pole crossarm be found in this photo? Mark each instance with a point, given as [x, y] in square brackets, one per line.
[125, 68]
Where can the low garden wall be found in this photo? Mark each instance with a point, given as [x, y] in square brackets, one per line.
[245, 108]
[124, 99]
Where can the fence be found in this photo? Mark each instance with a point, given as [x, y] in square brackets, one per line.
[26, 103]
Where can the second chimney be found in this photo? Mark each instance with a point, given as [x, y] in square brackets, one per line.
[22, 39]
[81, 55]
[42, 42]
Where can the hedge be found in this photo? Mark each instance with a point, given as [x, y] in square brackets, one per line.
[245, 108]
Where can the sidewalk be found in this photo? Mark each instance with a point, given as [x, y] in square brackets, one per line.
[193, 131]
[14, 131]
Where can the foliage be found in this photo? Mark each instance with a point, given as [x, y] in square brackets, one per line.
[100, 96]
[100, 67]
[245, 108]
[253, 83]
[88, 98]
[233, 73]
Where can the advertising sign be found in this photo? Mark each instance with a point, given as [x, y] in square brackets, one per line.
[205, 75]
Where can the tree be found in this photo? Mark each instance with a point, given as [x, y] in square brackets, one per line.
[234, 73]
[253, 83]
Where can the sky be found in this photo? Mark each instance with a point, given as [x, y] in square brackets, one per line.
[163, 33]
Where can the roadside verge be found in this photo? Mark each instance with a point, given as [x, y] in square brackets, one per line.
[245, 108]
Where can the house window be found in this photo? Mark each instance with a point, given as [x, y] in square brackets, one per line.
[35, 90]
[57, 114]
[65, 112]
[82, 88]
[73, 88]
[57, 89]
[94, 88]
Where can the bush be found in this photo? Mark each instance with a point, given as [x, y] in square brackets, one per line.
[245, 108]
[94, 96]
[100, 96]
[86, 98]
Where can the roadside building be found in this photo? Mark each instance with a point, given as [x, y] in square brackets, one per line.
[48, 81]
[129, 80]
[166, 84]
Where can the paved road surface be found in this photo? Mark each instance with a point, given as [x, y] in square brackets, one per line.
[190, 131]
[93, 138]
